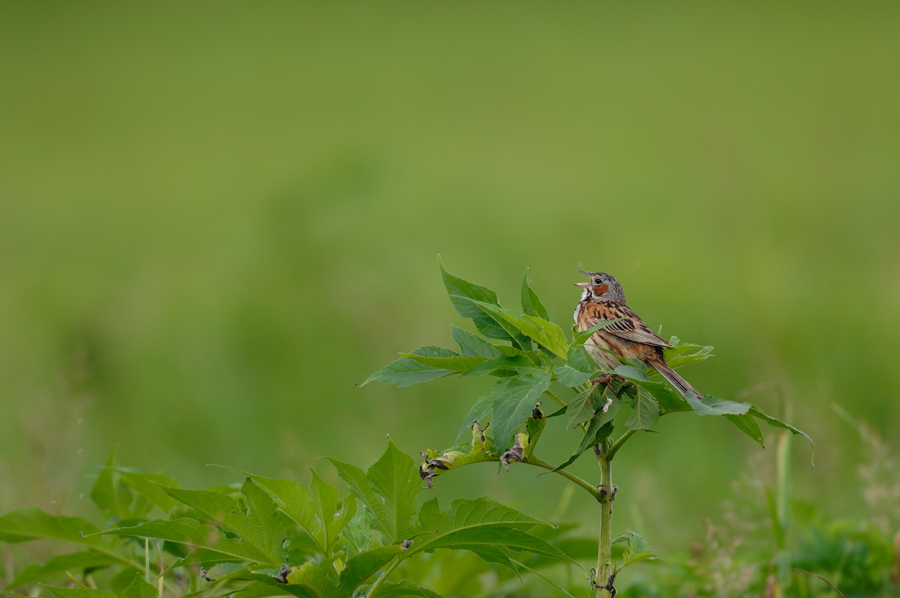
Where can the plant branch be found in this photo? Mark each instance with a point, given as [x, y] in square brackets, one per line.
[618, 444]
[532, 460]
[377, 585]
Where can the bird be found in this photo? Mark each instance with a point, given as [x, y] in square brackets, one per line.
[603, 300]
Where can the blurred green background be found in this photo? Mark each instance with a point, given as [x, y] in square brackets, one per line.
[215, 218]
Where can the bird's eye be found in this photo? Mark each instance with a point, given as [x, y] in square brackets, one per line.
[597, 281]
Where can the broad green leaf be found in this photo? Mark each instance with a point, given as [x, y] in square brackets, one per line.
[140, 589]
[481, 538]
[258, 589]
[212, 546]
[455, 363]
[578, 369]
[32, 523]
[79, 593]
[645, 412]
[312, 575]
[330, 511]
[531, 304]
[504, 365]
[148, 485]
[630, 372]
[635, 549]
[711, 405]
[389, 490]
[684, 353]
[581, 409]
[361, 567]
[584, 335]
[461, 291]
[396, 478]
[294, 500]
[747, 424]
[307, 581]
[472, 344]
[482, 409]
[513, 405]
[464, 512]
[111, 496]
[482, 526]
[599, 429]
[260, 527]
[777, 423]
[405, 371]
[403, 589]
[543, 332]
[60, 564]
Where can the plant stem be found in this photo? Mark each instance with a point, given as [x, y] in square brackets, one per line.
[618, 444]
[604, 576]
[532, 460]
[375, 586]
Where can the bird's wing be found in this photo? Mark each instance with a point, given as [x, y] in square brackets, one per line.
[629, 326]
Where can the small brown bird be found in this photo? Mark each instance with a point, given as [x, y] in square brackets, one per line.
[603, 300]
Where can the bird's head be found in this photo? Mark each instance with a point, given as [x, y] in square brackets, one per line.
[601, 286]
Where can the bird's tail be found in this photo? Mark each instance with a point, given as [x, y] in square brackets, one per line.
[677, 381]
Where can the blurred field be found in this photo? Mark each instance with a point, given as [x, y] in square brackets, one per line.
[215, 218]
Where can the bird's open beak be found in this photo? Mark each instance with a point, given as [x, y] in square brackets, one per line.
[583, 285]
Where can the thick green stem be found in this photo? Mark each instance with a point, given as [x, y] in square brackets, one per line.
[604, 576]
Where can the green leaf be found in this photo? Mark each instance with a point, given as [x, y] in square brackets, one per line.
[504, 365]
[455, 363]
[630, 372]
[76, 561]
[333, 514]
[79, 593]
[465, 512]
[148, 485]
[461, 291]
[635, 549]
[259, 589]
[405, 371]
[645, 412]
[711, 405]
[513, 405]
[684, 353]
[140, 589]
[483, 539]
[777, 423]
[297, 503]
[259, 527]
[363, 566]
[543, 332]
[482, 409]
[747, 424]
[578, 369]
[531, 303]
[212, 546]
[472, 344]
[581, 409]
[389, 490]
[404, 589]
[32, 523]
[584, 335]
[111, 496]
[482, 526]
[599, 429]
